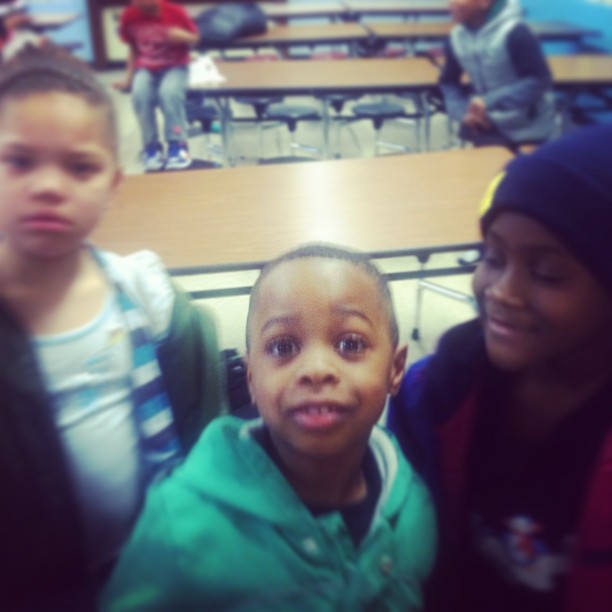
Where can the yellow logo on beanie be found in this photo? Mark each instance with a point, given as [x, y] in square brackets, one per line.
[487, 199]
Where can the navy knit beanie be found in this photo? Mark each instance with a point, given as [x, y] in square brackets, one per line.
[566, 185]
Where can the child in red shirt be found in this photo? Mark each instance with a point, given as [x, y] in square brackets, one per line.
[159, 34]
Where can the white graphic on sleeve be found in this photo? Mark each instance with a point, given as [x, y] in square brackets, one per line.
[520, 554]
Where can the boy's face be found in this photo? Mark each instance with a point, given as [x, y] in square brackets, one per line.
[321, 360]
[57, 172]
[148, 7]
[469, 12]
[539, 305]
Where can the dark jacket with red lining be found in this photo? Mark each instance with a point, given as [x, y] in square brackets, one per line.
[433, 418]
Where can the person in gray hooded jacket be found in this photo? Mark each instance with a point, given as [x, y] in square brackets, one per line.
[510, 101]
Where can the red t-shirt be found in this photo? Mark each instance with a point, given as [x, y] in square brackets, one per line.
[147, 35]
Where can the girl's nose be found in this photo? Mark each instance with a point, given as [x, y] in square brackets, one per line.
[508, 287]
[49, 183]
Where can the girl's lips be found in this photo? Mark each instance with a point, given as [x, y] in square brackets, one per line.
[318, 416]
[47, 223]
[504, 328]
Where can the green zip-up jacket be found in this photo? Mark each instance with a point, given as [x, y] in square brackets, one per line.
[227, 532]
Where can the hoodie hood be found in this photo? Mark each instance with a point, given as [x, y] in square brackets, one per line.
[231, 468]
[502, 11]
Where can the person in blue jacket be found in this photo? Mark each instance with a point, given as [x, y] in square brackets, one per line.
[510, 420]
[311, 507]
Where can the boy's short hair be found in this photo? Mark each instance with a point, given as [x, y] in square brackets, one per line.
[51, 69]
[327, 251]
[566, 185]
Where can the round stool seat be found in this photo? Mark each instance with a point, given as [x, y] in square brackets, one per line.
[259, 103]
[379, 112]
[291, 114]
[203, 114]
[337, 101]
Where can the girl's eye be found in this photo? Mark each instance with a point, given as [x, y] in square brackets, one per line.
[351, 345]
[549, 276]
[83, 169]
[18, 162]
[492, 258]
[282, 347]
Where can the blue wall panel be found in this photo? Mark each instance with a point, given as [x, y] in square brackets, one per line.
[595, 14]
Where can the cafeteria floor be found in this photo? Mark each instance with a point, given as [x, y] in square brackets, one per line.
[439, 312]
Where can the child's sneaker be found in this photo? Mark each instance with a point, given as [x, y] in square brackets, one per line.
[153, 157]
[178, 156]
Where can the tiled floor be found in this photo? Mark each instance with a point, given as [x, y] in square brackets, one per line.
[438, 313]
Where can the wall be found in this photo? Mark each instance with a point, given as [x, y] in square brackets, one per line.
[75, 32]
[595, 14]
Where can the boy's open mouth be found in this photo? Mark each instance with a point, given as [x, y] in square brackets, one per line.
[318, 416]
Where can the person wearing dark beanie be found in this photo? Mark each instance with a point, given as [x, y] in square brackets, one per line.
[567, 187]
[510, 421]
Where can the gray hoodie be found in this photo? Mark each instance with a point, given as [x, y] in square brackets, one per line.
[507, 69]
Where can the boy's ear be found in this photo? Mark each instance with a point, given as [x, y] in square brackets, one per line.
[247, 365]
[397, 368]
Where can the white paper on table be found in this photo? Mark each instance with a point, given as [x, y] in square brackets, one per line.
[203, 71]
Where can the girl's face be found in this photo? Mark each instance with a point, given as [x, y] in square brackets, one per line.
[58, 172]
[539, 304]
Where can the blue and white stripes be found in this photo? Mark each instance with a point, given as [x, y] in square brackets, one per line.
[151, 407]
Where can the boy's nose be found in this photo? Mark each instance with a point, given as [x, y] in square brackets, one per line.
[317, 367]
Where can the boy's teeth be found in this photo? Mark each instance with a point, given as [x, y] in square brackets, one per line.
[320, 409]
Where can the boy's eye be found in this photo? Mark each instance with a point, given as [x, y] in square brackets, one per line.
[351, 344]
[282, 347]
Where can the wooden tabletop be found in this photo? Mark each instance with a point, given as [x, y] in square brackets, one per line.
[297, 11]
[434, 30]
[348, 9]
[279, 11]
[253, 213]
[410, 8]
[304, 34]
[581, 70]
[311, 77]
[411, 31]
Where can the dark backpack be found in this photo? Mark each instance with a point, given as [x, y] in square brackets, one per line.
[227, 22]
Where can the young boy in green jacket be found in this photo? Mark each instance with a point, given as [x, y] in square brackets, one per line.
[312, 506]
